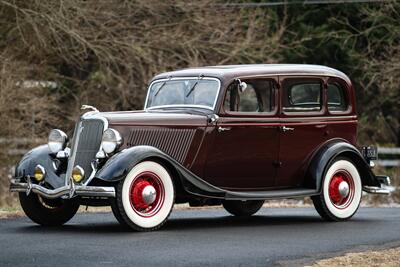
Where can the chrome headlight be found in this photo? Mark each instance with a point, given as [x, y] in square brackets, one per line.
[111, 140]
[57, 140]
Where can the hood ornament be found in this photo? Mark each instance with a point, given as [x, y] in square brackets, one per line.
[89, 107]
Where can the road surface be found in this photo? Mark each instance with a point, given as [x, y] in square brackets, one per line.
[200, 237]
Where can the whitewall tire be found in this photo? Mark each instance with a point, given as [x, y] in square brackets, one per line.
[341, 191]
[146, 196]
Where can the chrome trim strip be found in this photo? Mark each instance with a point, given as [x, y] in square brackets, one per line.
[76, 190]
[184, 78]
[92, 174]
[74, 146]
[180, 106]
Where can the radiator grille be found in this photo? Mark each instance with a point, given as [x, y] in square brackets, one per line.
[174, 142]
[89, 141]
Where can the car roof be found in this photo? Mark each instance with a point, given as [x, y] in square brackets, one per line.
[225, 72]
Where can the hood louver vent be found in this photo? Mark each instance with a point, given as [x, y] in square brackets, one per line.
[174, 142]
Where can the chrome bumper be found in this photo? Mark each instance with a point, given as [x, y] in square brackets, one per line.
[384, 189]
[67, 191]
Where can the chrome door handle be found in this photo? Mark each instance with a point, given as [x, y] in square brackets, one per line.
[223, 129]
[286, 129]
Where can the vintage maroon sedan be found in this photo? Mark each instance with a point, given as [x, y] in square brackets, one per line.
[230, 135]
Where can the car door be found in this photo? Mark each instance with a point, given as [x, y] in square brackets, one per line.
[246, 138]
[303, 127]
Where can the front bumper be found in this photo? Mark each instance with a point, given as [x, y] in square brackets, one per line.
[68, 191]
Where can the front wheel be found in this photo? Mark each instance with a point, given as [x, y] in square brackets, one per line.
[242, 208]
[341, 191]
[47, 212]
[145, 197]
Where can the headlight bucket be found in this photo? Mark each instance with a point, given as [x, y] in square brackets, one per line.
[57, 140]
[111, 140]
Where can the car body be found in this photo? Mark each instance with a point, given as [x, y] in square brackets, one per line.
[233, 135]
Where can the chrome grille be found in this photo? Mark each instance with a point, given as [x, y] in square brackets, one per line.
[174, 142]
[86, 143]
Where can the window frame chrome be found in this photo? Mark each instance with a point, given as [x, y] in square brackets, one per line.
[183, 105]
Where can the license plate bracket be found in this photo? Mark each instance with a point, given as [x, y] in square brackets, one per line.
[369, 152]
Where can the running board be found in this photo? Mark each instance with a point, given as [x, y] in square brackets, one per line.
[271, 194]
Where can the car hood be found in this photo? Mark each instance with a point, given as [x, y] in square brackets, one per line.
[155, 118]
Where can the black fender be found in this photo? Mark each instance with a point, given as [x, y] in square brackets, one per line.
[39, 155]
[119, 165]
[327, 153]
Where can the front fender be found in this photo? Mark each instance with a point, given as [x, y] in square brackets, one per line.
[119, 165]
[327, 153]
[39, 155]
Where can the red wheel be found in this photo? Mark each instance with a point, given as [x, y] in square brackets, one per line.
[147, 194]
[146, 197]
[341, 191]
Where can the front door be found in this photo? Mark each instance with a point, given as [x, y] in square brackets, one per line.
[245, 149]
[303, 127]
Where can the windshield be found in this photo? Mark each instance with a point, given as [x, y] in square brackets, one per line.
[199, 92]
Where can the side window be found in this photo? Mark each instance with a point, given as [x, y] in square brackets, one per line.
[337, 100]
[302, 96]
[256, 98]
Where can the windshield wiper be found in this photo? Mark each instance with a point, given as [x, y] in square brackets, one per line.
[162, 85]
[194, 85]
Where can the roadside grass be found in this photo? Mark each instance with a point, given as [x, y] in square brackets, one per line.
[384, 258]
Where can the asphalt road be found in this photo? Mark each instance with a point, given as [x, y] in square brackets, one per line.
[195, 238]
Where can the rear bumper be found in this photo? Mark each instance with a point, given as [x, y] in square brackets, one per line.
[67, 191]
[384, 188]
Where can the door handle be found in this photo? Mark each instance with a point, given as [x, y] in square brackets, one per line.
[223, 129]
[286, 129]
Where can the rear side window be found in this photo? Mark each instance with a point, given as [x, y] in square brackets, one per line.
[337, 100]
[302, 96]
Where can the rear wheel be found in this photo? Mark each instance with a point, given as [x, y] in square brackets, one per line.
[145, 198]
[242, 208]
[341, 191]
[47, 212]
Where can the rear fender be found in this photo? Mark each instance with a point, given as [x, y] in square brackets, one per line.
[328, 153]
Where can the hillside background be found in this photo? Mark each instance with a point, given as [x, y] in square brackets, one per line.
[103, 53]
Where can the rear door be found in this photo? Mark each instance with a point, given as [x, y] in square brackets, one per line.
[303, 126]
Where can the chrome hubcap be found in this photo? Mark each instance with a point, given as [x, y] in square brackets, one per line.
[344, 189]
[149, 194]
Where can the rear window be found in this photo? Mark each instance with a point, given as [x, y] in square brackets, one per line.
[302, 96]
[337, 100]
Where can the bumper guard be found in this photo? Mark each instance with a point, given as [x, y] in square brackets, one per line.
[384, 189]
